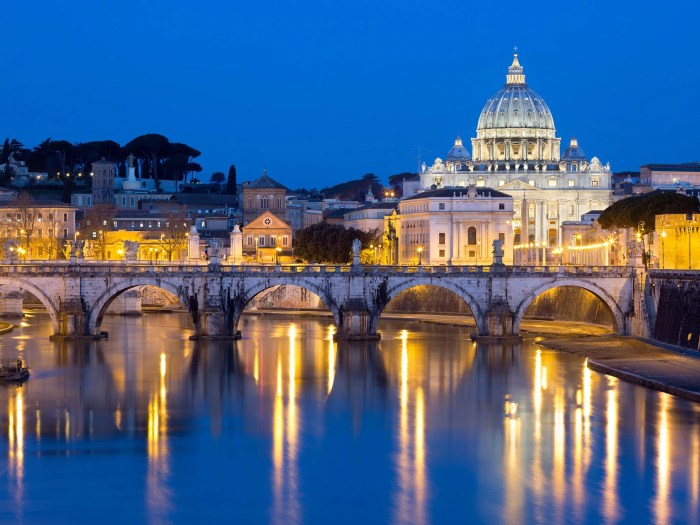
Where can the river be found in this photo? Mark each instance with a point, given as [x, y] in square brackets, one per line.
[286, 426]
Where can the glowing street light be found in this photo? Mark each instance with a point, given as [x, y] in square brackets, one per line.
[420, 255]
[278, 250]
[663, 254]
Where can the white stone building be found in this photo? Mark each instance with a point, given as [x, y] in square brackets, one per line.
[453, 226]
[516, 151]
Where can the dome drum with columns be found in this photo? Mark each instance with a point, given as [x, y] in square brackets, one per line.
[516, 151]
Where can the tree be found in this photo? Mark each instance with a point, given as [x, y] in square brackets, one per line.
[329, 243]
[47, 238]
[7, 174]
[98, 220]
[151, 146]
[26, 219]
[174, 237]
[231, 186]
[217, 177]
[629, 212]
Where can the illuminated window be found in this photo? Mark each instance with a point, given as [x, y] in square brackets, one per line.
[471, 236]
[480, 183]
[552, 182]
[531, 182]
[571, 182]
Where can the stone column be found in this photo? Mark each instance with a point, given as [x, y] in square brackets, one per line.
[236, 250]
[193, 254]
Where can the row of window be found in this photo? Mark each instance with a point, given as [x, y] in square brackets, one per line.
[9, 232]
[264, 203]
[30, 217]
[267, 240]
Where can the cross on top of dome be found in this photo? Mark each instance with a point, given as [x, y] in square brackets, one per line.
[515, 72]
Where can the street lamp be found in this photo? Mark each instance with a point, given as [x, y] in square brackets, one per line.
[420, 255]
[663, 254]
[640, 238]
[689, 218]
[278, 250]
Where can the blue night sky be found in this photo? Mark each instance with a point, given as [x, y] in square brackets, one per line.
[323, 91]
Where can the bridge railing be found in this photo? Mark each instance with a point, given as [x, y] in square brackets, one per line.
[122, 267]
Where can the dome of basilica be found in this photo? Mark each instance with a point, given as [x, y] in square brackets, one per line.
[574, 152]
[458, 152]
[516, 105]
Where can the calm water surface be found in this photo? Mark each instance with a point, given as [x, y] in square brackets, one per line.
[286, 426]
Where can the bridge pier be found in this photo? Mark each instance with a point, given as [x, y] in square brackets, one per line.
[73, 321]
[214, 322]
[355, 323]
[499, 321]
[11, 302]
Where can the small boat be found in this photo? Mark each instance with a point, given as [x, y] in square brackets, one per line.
[13, 371]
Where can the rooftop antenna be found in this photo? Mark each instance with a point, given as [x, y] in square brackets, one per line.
[420, 149]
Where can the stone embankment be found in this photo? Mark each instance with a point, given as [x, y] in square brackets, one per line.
[637, 361]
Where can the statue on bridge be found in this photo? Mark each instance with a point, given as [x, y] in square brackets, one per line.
[356, 247]
[9, 250]
[74, 249]
[497, 252]
[215, 250]
[131, 250]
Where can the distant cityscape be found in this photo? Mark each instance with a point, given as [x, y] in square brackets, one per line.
[514, 189]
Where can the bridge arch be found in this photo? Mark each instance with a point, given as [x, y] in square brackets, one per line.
[48, 303]
[260, 286]
[99, 308]
[599, 292]
[450, 285]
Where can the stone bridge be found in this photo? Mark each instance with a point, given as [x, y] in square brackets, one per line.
[77, 295]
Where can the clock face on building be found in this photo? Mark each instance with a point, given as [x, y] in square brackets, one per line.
[267, 221]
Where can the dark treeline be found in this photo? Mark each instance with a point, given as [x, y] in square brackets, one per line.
[156, 158]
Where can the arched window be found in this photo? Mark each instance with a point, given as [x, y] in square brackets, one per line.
[471, 236]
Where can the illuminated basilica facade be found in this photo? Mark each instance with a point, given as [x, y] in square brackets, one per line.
[516, 152]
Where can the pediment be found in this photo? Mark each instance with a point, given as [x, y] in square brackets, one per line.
[518, 184]
[267, 220]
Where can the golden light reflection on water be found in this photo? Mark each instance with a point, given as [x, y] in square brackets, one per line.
[611, 509]
[559, 450]
[410, 499]
[582, 440]
[331, 357]
[694, 472]
[157, 493]
[15, 442]
[513, 486]
[662, 505]
[561, 455]
[285, 429]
